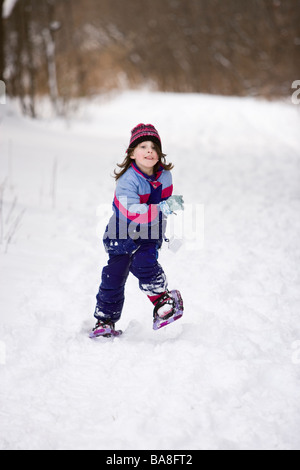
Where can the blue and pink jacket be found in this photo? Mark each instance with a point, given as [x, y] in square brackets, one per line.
[137, 215]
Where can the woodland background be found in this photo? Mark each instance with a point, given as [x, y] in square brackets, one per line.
[80, 48]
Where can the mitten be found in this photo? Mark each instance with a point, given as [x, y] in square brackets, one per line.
[174, 203]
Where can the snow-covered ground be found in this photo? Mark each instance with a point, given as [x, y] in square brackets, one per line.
[227, 376]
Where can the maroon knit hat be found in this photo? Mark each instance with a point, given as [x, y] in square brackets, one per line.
[143, 132]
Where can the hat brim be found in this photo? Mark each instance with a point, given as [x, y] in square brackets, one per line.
[145, 138]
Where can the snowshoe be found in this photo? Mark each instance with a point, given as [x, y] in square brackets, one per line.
[105, 329]
[168, 309]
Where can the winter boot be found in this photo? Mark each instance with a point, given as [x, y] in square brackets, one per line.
[105, 329]
[164, 307]
[168, 308]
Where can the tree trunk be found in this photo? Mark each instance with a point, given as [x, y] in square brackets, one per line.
[52, 75]
[2, 60]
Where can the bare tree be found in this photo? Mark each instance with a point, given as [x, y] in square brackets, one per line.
[22, 82]
[2, 61]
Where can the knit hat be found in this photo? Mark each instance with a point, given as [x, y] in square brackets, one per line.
[142, 133]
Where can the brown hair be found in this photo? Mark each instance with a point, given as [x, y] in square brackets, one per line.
[128, 160]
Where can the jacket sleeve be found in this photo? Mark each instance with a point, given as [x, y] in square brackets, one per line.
[127, 204]
[167, 190]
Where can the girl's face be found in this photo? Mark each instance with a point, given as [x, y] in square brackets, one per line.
[145, 157]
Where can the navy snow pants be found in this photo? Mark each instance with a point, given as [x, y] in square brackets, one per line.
[143, 264]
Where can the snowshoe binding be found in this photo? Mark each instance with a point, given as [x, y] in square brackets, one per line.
[168, 309]
[105, 329]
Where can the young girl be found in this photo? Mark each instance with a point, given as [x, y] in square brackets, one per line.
[135, 232]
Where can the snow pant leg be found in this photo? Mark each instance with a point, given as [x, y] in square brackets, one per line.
[110, 298]
[144, 266]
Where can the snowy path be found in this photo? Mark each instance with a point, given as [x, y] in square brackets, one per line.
[228, 375]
